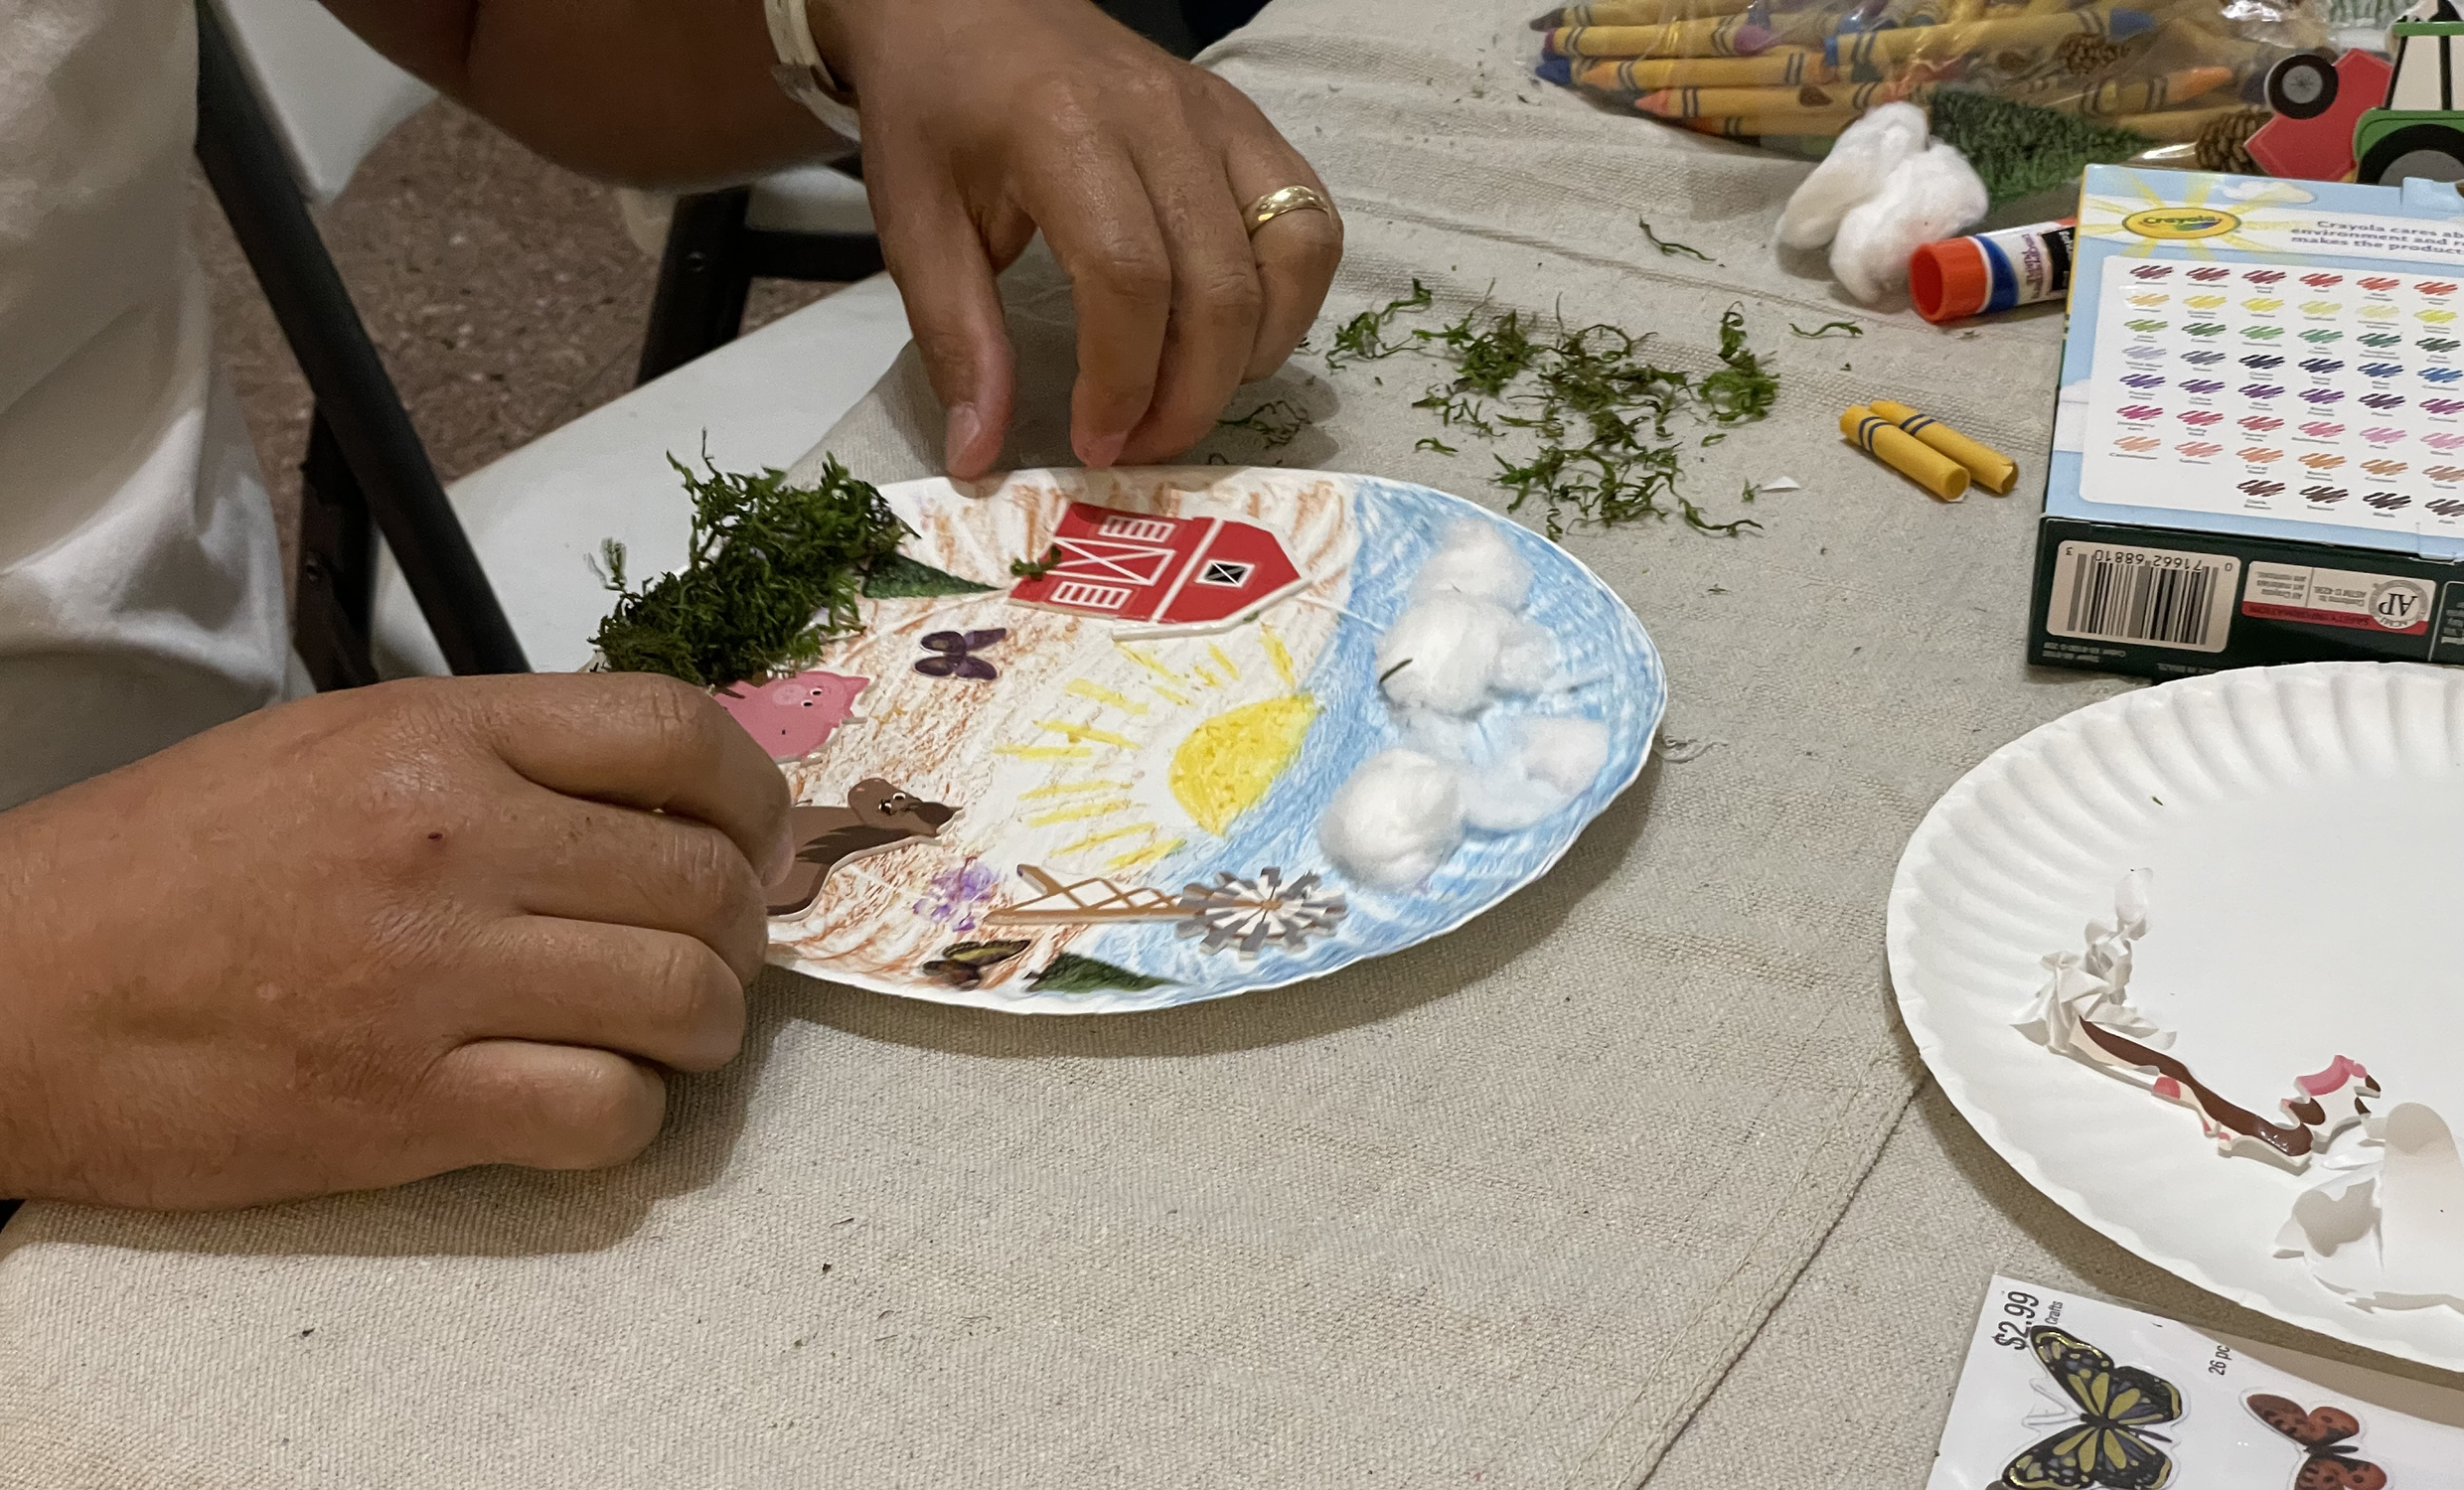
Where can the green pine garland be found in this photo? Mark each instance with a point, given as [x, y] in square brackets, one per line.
[2020, 149]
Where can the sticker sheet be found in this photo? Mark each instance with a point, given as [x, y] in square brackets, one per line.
[1120, 740]
[2313, 391]
[2062, 1391]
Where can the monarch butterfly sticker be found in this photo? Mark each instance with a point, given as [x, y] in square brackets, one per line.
[2115, 1443]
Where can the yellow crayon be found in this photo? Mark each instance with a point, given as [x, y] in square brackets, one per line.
[2147, 96]
[2183, 125]
[1807, 125]
[1637, 13]
[1903, 452]
[1781, 66]
[1711, 35]
[1885, 50]
[1778, 103]
[1995, 472]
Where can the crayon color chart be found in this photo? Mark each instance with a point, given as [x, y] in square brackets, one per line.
[2315, 392]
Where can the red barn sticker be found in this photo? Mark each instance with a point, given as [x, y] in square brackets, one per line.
[1157, 572]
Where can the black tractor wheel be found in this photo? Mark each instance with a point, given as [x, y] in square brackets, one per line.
[2431, 151]
[2302, 85]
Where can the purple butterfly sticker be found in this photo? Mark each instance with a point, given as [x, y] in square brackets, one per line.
[954, 654]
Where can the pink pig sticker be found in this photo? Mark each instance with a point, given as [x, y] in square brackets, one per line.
[792, 716]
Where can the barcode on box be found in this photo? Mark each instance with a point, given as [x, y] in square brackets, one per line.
[2109, 592]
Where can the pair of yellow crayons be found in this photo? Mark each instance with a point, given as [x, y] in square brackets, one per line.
[1926, 451]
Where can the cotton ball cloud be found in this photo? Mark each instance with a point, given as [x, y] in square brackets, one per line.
[1549, 763]
[1860, 161]
[1399, 816]
[1930, 196]
[1478, 560]
[1452, 653]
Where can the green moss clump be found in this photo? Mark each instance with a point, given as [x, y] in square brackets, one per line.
[771, 575]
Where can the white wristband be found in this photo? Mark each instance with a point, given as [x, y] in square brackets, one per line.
[802, 73]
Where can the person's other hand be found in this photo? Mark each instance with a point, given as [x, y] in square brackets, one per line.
[987, 120]
[378, 935]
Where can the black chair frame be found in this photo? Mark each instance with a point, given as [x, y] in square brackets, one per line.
[366, 475]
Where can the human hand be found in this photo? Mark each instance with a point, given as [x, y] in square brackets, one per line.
[986, 121]
[378, 935]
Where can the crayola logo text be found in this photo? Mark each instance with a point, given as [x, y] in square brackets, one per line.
[2181, 223]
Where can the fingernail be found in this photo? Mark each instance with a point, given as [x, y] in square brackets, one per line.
[965, 424]
[780, 860]
[1102, 450]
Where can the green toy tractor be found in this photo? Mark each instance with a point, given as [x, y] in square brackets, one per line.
[2420, 130]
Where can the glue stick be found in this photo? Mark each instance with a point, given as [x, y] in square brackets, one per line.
[1903, 452]
[1991, 272]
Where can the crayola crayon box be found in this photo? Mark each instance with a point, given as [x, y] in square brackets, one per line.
[2259, 450]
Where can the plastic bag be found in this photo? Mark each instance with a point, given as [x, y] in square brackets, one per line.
[2030, 90]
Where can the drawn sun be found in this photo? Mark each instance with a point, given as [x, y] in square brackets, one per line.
[1211, 771]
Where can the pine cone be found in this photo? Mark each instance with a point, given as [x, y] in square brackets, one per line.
[2083, 54]
[2225, 145]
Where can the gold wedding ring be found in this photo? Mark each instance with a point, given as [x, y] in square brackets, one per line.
[1291, 199]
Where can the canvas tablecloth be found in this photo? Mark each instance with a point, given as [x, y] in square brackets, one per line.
[1503, 1210]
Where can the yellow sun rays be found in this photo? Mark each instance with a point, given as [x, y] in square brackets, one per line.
[1217, 769]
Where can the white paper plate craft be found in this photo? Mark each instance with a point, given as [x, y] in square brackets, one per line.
[1223, 729]
[2191, 960]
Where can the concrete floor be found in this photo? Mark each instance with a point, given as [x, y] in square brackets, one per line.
[502, 291]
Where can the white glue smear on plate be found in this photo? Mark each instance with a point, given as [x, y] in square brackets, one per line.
[2093, 986]
[2386, 1227]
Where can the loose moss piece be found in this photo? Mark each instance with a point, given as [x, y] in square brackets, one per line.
[772, 574]
[1361, 338]
[1276, 423]
[1666, 249]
